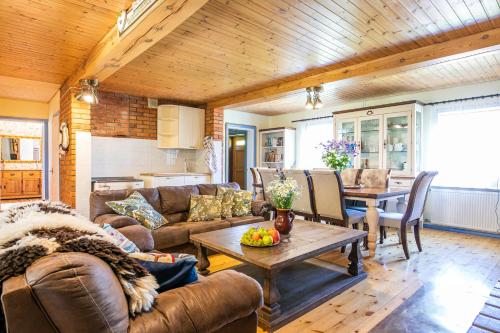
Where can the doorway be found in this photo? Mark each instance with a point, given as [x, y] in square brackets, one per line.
[240, 141]
[23, 155]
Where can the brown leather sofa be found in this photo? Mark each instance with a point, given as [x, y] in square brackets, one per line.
[173, 203]
[77, 292]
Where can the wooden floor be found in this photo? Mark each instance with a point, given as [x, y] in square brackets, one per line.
[451, 261]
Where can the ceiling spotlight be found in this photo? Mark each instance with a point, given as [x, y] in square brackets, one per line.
[314, 102]
[88, 91]
[309, 102]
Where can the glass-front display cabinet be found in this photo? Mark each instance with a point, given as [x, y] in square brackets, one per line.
[389, 136]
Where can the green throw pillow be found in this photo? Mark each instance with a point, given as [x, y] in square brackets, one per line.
[137, 207]
[242, 203]
[226, 194]
[204, 207]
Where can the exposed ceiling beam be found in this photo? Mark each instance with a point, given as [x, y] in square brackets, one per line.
[420, 57]
[115, 51]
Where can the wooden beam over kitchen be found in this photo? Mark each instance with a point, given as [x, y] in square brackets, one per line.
[421, 57]
[115, 51]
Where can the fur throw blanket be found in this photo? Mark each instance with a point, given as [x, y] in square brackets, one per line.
[31, 231]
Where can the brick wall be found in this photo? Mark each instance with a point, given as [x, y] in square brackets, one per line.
[214, 122]
[123, 115]
[77, 117]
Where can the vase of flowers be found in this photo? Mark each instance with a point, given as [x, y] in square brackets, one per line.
[339, 155]
[282, 193]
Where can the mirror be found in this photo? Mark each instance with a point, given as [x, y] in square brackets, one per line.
[20, 149]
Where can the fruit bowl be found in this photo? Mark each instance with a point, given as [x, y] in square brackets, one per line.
[260, 237]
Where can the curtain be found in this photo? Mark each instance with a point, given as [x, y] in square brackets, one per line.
[464, 141]
[309, 135]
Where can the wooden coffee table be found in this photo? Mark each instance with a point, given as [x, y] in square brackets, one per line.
[305, 282]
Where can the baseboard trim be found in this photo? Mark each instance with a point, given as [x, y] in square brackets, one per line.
[462, 231]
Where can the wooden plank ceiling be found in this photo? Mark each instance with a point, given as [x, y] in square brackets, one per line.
[46, 40]
[232, 46]
[479, 68]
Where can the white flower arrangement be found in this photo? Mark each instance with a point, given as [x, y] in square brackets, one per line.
[283, 192]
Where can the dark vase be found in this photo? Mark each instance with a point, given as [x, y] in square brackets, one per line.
[284, 221]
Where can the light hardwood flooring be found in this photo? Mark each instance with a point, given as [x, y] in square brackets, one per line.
[462, 269]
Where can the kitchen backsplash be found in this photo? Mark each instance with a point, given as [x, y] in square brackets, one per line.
[119, 157]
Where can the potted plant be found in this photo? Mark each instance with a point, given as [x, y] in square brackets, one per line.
[282, 193]
[338, 155]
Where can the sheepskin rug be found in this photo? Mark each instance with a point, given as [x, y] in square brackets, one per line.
[32, 230]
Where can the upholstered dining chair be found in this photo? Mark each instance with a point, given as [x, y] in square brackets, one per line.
[267, 175]
[414, 211]
[304, 205]
[329, 199]
[350, 176]
[257, 184]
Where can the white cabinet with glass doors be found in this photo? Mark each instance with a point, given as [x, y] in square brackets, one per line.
[389, 136]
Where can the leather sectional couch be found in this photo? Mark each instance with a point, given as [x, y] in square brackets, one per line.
[173, 203]
[77, 292]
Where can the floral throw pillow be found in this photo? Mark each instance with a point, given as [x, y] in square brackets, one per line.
[227, 196]
[137, 207]
[242, 203]
[204, 207]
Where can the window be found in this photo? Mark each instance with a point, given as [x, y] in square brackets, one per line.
[465, 148]
[309, 135]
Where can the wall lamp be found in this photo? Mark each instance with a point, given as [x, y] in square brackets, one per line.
[88, 91]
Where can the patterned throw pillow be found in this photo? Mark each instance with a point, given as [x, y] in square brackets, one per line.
[242, 203]
[120, 240]
[227, 196]
[204, 207]
[137, 207]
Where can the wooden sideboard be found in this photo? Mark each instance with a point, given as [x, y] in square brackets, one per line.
[21, 184]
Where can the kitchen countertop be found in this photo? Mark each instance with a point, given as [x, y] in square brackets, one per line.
[173, 174]
[115, 179]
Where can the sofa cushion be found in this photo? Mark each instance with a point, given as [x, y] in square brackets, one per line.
[177, 217]
[98, 202]
[170, 236]
[175, 199]
[211, 189]
[205, 306]
[205, 226]
[242, 220]
[137, 207]
[115, 220]
[204, 207]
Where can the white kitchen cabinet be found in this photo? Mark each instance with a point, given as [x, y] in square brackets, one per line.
[389, 137]
[180, 127]
[194, 180]
[157, 180]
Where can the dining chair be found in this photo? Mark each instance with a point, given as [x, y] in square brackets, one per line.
[414, 211]
[304, 205]
[267, 175]
[350, 176]
[257, 184]
[329, 200]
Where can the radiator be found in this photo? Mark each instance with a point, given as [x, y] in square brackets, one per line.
[469, 209]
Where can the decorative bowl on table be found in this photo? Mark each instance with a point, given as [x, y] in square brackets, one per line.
[260, 237]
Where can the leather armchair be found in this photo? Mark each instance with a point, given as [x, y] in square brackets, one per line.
[77, 292]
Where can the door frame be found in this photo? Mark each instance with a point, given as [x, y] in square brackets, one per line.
[246, 128]
[45, 150]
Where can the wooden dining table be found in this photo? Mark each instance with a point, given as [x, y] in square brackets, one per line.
[372, 196]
